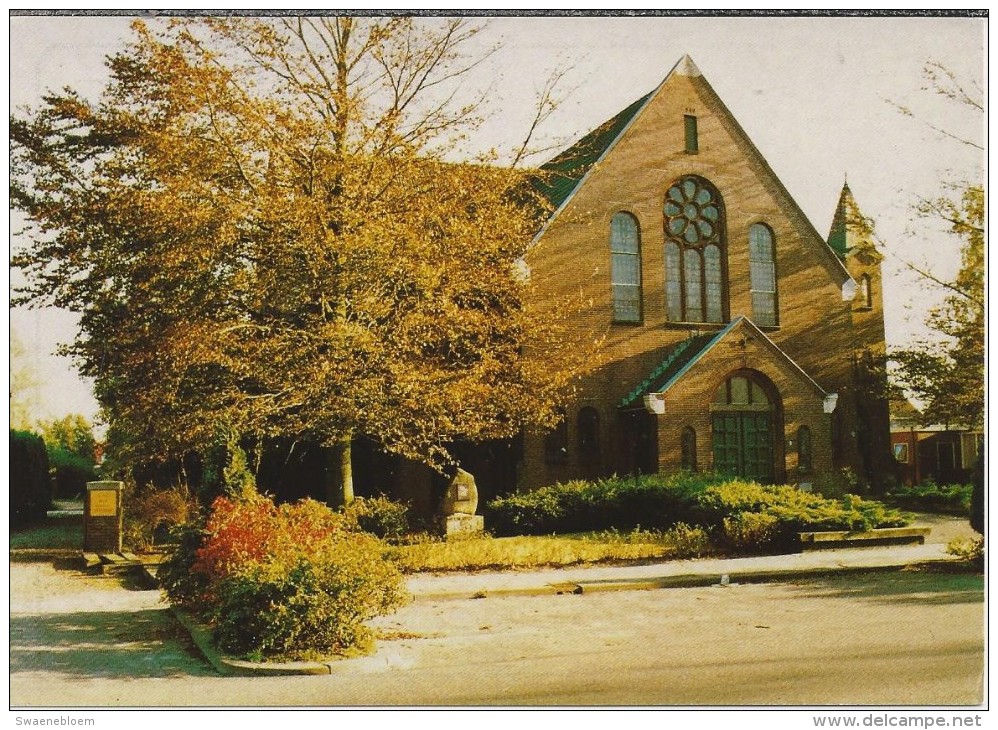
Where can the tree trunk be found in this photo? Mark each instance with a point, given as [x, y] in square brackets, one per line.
[339, 473]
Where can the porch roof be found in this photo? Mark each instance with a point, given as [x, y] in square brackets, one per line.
[674, 364]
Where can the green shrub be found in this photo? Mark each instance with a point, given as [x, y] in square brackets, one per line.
[968, 550]
[176, 574]
[688, 541]
[379, 516]
[751, 532]
[237, 477]
[71, 472]
[288, 581]
[794, 511]
[929, 497]
[30, 485]
[709, 502]
[654, 501]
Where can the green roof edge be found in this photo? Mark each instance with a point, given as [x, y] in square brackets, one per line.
[671, 358]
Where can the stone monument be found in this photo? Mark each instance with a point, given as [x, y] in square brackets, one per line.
[457, 509]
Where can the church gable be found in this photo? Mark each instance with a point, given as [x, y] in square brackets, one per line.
[725, 319]
[618, 177]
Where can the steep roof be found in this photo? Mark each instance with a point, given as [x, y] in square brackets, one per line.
[561, 175]
[850, 231]
[564, 174]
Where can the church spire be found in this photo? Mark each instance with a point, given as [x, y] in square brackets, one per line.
[850, 228]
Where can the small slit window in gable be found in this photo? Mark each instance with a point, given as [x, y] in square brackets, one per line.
[692, 141]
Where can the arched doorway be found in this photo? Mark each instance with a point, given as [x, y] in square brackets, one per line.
[744, 417]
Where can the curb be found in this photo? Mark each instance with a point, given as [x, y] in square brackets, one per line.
[688, 580]
[226, 666]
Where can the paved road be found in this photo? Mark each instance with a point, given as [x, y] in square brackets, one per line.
[881, 639]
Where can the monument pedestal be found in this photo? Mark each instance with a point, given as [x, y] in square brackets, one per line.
[460, 525]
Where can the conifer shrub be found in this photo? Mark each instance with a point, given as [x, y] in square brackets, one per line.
[290, 581]
[716, 503]
[788, 511]
[751, 532]
[30, 485]
[688, 541]
[952, 499]
[70, 472]
[623, 503]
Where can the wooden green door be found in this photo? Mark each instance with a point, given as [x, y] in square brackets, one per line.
[743, 445]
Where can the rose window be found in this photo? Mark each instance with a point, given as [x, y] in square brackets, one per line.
[691, 212]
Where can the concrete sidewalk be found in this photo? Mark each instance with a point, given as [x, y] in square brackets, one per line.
[672, 574]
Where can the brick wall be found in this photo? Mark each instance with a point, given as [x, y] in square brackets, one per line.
[572, 260]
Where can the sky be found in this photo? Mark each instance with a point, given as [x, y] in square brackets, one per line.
[819, 97]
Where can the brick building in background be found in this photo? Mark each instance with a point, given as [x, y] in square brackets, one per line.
[737, 339]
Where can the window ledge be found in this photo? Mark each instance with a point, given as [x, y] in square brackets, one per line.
[698, 325]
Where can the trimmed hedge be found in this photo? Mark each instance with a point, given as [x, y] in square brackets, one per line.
[754, 517]
[71, 472]
[951, 499]
[749, 516]
[623, 503]
[30, 485]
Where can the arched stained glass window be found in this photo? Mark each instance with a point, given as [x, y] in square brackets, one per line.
[625, 268]
[694, 252]
[673, 282]
[693, 271]
[762, 271]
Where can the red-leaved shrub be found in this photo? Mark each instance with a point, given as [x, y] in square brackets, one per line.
[287, 580]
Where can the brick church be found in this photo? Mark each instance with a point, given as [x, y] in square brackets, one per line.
[737, 338]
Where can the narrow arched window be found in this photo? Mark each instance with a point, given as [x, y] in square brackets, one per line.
[556, 442]
[689, 448]
[804, 462]
[865, 292]
[587, 434]
[762, 272]
[625, 268]
[694, 252]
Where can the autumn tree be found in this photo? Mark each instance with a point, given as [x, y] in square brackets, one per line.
[946, 372]
[24, 384]
[947, 375]
[73, 434]
[70, 444]
[267, 231]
